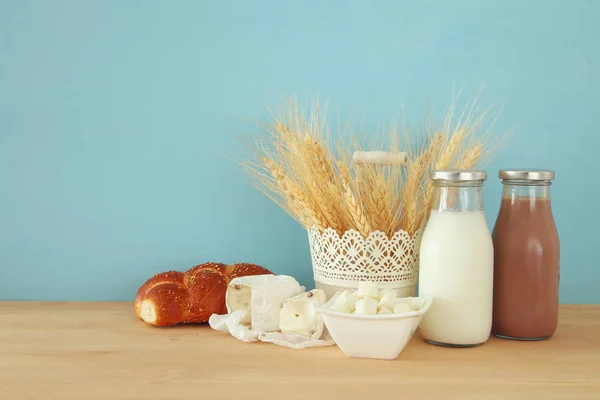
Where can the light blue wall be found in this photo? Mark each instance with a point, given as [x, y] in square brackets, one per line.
[116, 118]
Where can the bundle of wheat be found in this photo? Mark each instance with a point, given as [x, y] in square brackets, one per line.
[311, 176]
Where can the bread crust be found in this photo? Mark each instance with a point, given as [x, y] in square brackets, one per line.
[172, 297]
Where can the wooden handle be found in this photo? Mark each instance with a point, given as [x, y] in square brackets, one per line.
[380, 158]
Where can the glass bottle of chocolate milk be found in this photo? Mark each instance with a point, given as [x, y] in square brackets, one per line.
[526, 258]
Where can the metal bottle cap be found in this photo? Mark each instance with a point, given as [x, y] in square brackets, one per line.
[458, 175]
[526, 174]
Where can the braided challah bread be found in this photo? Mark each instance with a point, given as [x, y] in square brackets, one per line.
[173, 297]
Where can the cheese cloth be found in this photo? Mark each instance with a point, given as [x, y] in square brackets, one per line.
[231, 323]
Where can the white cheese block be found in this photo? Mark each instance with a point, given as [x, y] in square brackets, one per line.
[366, 305]
[384, 310]
[401, 308]
[368, 289]
[238, 297]
[351, 299]
[345, 301]
[264, 294]
[298, 316]
[336, 304]
[388, 293]
[388, 298]
[333, 299]
[415, 303]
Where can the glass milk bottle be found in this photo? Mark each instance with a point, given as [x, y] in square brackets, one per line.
[457, 262]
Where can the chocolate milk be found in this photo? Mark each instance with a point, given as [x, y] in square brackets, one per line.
[526, 269]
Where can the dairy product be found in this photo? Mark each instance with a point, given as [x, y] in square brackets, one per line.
[372, 301]
[456, 270]
[415, 303]
[368, 289]
[526, 269]
[384, 310]
[298, 315]
[401, 308]
[260, 297]
[366, 305]
[388, 299]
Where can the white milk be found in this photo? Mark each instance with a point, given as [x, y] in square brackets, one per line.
[456, 269]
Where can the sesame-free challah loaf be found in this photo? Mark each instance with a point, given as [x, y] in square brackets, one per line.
[173, 297]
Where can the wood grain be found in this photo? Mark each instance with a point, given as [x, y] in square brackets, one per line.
[101, 351]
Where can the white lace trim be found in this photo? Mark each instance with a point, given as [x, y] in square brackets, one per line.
[352, 258]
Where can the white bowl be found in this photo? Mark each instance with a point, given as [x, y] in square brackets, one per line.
[372, 336]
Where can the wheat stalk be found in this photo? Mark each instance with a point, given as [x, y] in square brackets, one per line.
[357, 215]
[448, 157]
[297, 169]
[322, 161]
[325, 207]
[296, 200]
[451, 149]
[379, 203]
[417, 171]
[471, 157]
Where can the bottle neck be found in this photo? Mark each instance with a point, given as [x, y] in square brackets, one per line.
[526, 189]
[458, 197]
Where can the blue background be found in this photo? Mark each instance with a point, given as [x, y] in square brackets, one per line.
[116, 119]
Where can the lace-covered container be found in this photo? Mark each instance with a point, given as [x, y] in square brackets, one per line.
[340, 263]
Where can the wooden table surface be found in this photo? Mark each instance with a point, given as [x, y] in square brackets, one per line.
[101, 351]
